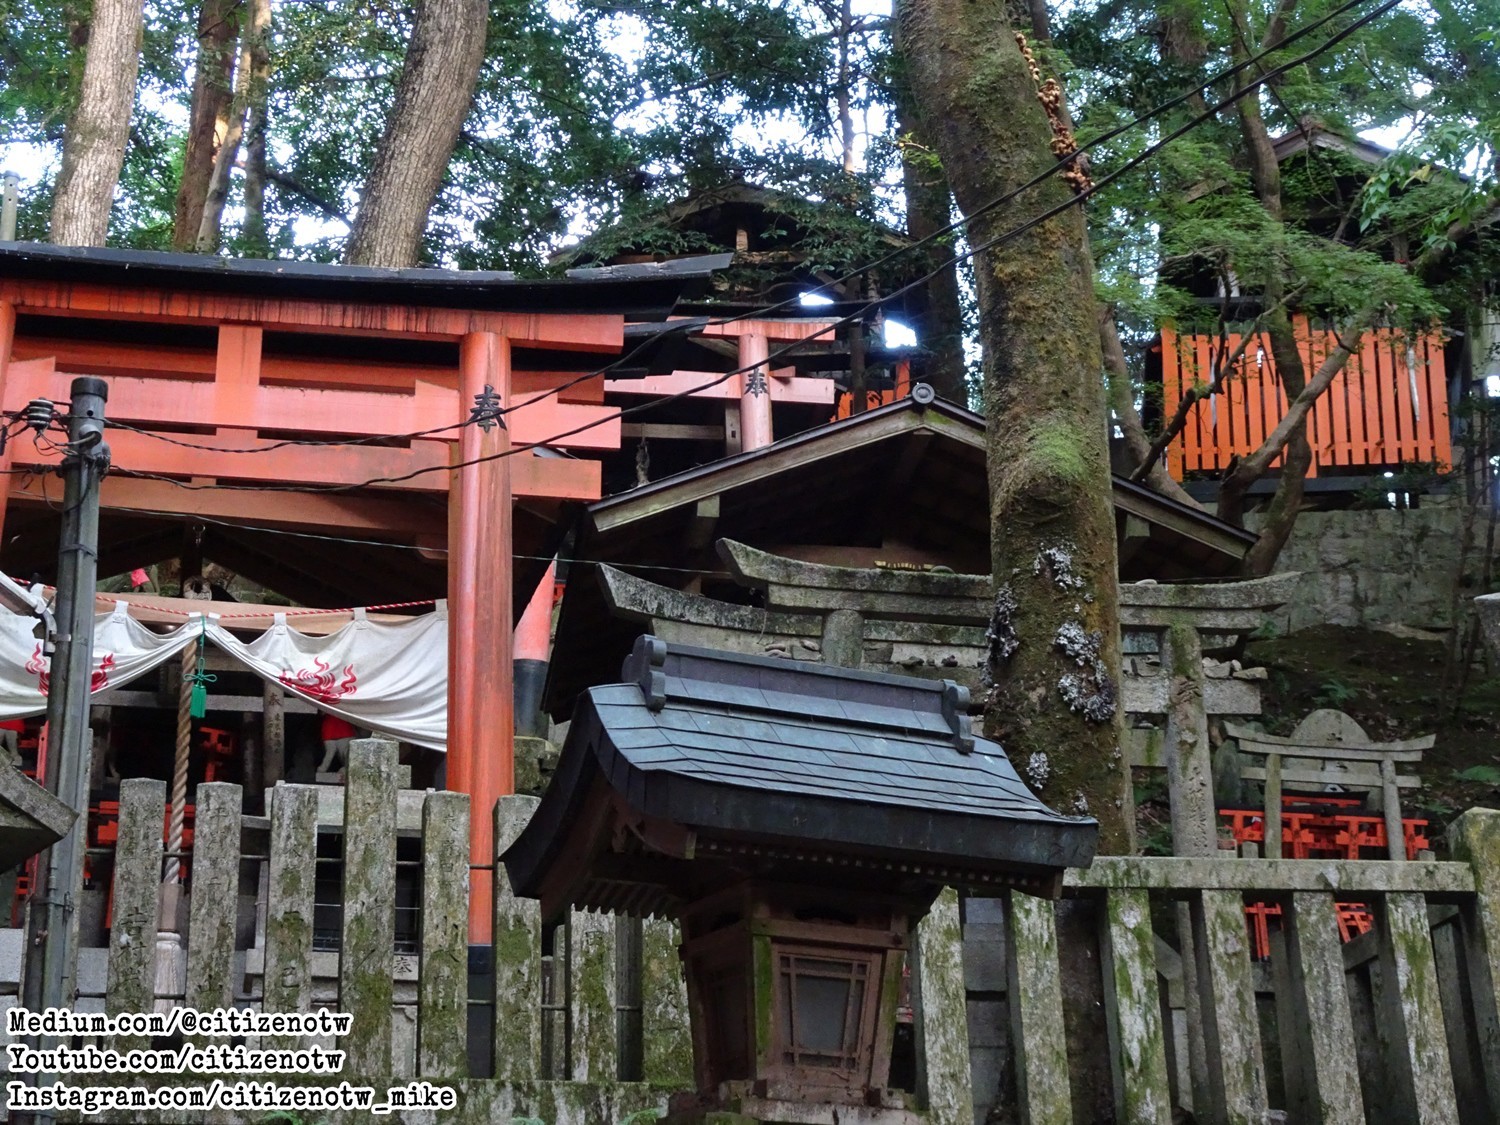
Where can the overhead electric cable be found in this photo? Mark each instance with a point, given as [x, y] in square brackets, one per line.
[875, 303]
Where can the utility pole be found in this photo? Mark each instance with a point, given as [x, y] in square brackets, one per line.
[52, 954]
[8, 206]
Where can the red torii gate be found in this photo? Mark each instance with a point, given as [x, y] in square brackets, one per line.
[139, 321]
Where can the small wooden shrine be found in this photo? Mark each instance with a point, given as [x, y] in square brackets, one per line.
[798, 821]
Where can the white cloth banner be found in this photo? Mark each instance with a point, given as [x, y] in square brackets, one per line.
[389, 678]
[123, 650]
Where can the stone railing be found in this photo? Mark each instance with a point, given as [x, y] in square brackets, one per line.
[585, 1025]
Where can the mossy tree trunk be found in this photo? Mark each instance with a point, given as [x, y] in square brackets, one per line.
[1054, 644]
[939, 322]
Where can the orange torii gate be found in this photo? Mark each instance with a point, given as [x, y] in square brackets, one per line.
[233, 356]
[752, 392]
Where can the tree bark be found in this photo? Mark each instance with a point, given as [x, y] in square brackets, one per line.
[256, 123]
[939, 323]
[1054, 636]
[94, 144]
[1296, 460]
[208, 115]
[1122, 403]
[251, 71]
[437, 82]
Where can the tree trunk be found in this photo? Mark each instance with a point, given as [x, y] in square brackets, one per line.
[256, 242]
[939, 323]
[437, 82]
[252, 68]
[1054, 637]
[844, 94]
[208, 115]
[94, 145]
[1296, 460]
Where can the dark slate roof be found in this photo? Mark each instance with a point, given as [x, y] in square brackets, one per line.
[646, 289]
[800, 756]
[830, 486]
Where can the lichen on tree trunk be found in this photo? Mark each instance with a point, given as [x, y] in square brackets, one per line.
[1054, 660]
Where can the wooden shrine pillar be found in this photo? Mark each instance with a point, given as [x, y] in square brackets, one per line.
[533, 645]
[7, 341]
[755, 392]
[480, 705]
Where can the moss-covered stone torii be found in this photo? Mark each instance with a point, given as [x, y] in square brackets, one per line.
[1054, 654]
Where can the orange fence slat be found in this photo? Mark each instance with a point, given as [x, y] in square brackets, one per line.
[1437, 383]
[1171, 388]
[1387, 407]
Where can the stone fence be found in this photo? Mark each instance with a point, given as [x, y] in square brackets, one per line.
[583, 1025]
[1137, 994]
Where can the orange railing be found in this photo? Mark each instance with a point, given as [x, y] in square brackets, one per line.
[1387, 408]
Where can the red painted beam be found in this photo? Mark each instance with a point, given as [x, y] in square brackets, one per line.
[597, 332]
[554, 478]
[785, 386]
[324, 513]
[311, 410]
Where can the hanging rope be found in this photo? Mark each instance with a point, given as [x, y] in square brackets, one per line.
[192, 703]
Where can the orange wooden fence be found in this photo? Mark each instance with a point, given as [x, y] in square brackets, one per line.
[1387, 408]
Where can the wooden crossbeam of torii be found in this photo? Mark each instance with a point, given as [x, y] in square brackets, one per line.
[748, 396]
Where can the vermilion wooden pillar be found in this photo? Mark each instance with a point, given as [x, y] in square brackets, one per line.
[480, 706]
[755, 394]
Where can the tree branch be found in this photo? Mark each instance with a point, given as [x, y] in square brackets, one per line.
[297, 187]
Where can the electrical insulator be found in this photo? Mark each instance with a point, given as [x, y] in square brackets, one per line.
[40, 414]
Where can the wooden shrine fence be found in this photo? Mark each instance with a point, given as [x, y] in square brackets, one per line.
[1387, 408]
[1402, 1025]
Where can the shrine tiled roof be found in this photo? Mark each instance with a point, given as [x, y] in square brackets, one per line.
[792, 758]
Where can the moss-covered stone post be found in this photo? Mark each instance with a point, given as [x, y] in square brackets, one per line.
[366, 988]
[1036, 1012]
[1230, 1022]
[289, 913]
[443, 988]
[594, 1034]
[132, 937]
[667, 1042]
[518, 958]
[943, 1073]
[215, 897]
[1411, 1012]
[1475, 839]
[1189, 763]
[1315, 959]
[1132, 1003]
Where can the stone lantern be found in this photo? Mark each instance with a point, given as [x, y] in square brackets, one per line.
[798, 821]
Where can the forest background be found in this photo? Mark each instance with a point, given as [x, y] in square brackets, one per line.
[491, 134]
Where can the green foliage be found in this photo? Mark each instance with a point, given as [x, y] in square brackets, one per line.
[1334, 693]
[1487, 775]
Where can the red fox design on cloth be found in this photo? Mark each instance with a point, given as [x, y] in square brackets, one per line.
[320, 684]
[38, 666]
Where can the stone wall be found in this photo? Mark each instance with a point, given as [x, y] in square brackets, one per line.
[1378, 568]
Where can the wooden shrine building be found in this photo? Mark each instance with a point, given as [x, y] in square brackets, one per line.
[902, 486]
